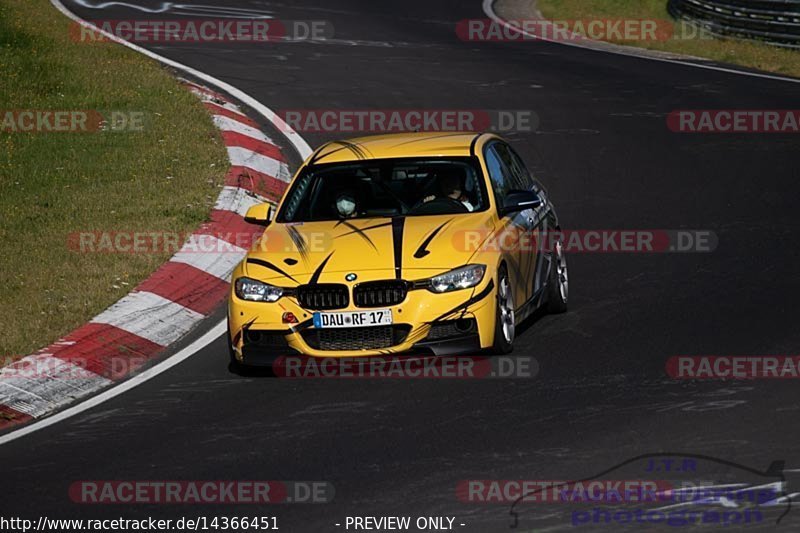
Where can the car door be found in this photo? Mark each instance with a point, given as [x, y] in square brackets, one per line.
[521, 179]
[515, 226]
[537, 226]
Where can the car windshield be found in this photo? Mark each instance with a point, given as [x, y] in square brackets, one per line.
[385, 188]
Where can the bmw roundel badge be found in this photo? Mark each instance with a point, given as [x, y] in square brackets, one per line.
[351, 277]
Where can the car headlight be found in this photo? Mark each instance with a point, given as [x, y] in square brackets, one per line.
[257, 291]
[460, 278]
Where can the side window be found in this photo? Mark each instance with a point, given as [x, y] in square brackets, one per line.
[519, 177]
[498, 172]
[528, 177]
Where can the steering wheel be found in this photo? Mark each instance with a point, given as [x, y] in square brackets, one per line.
[441, 205]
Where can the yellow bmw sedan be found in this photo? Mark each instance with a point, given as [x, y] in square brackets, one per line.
[408, 243]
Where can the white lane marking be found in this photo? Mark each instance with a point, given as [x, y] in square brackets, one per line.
[292, 136]
[237, 200]
[212, 335]
[242, 157]
[205, 97]
[150, 316]
[211, 255]
[183, 9]
[41, 383]
[488, 8]
[229, 124]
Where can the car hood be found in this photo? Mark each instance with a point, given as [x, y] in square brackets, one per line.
[379, 248]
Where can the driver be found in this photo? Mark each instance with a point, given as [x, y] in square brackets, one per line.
[346, 204]
[450, 186]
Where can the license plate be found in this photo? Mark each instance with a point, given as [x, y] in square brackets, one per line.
[353, 319]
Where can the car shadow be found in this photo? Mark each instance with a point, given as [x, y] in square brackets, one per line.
[531, 321]
[251, 372]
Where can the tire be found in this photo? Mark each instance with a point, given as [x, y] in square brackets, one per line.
[504, 324]
[558, 284]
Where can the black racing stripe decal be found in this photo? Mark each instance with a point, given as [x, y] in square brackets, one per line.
[320, 156]
[241, 330]
[302, 325]
[426, 139]
[267, 264]
[357, 150]
[417, 336]
[398, 223]
[367, 228]
[318, 272]
[290, 261]
[360, 233]
[317, 154]
[422, 251]
[475, 299]
[298, 241]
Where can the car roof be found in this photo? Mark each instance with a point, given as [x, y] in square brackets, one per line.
[441, 144]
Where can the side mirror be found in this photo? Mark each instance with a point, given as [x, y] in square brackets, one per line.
[258, 214]
[517, 201]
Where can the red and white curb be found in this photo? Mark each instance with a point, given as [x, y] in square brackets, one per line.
[168, 304]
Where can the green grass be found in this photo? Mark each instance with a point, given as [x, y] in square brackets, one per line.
[746, 53]
[53, 184]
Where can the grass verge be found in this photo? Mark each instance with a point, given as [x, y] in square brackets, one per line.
[165, 177]
[740, 52]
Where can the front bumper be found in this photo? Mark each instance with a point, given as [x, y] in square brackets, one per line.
[469, 344]
[461, 322]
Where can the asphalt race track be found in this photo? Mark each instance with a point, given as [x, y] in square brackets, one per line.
[400, 447]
